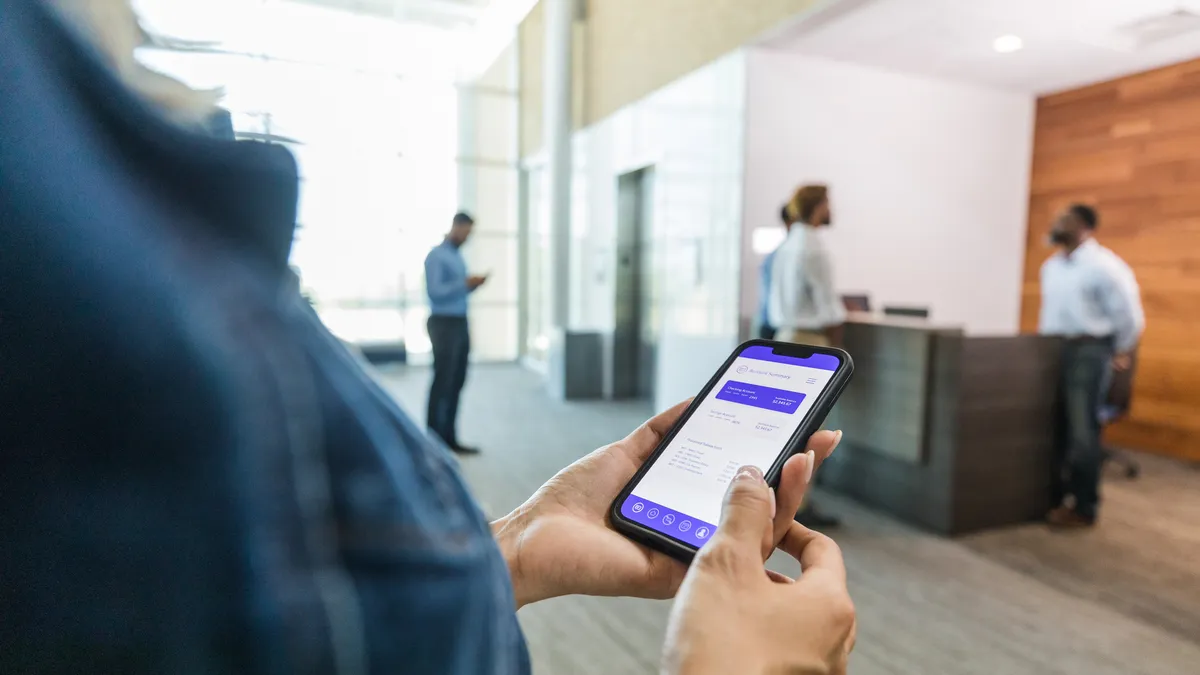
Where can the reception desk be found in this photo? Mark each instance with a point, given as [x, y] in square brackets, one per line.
[948, 432]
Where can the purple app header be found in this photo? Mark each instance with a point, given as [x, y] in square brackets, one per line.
[676, 525]
[818, 361]
[760, 396]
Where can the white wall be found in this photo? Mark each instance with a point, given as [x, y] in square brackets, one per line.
[690, 132]
[929, 181]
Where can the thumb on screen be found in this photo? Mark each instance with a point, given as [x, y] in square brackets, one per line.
[747, 512]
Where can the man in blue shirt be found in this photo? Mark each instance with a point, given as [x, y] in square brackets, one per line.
[448, 285]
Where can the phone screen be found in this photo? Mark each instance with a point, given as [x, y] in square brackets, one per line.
[746, 419]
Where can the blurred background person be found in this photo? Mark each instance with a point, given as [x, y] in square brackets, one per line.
[766, 331]
[804, 305]
[448, 285]
[802, 302]
[1091, 298]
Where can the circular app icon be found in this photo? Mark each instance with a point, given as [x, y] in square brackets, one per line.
[652, 514]
[701, 532]
[668, 519]
[685, 526]
[638, 507]
[742, 370]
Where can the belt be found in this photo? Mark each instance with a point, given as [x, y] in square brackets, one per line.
[1088, 339]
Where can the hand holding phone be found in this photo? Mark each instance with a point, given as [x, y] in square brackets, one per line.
[759, 410]
[568, 544]
[729, 617]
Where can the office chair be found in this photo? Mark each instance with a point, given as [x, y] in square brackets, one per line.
[1115, 406]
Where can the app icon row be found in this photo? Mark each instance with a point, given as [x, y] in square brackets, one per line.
[669, 519]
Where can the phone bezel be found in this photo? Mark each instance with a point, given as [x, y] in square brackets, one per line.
[796, 443]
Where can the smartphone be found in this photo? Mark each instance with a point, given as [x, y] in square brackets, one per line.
[759, 409]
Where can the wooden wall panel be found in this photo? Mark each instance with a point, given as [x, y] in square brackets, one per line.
[1132, 147]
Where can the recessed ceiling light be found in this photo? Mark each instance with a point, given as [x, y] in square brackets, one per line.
[1006, 44]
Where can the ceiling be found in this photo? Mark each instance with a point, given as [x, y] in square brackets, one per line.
[1067, 43]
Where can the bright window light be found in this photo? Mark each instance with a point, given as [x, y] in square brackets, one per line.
[372, 108]
[1006, 44]
[766, 239]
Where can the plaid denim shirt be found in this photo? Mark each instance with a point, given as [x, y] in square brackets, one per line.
[196, 476]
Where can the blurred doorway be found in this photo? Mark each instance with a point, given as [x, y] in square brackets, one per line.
[635, 333]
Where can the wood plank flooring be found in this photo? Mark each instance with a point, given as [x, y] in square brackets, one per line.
[1123, 599]
[1143, 559]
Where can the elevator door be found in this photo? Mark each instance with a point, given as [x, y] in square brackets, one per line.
[635, 333]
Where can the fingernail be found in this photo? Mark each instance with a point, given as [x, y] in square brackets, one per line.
[748, 472]
[837, 438]
[772, 498]
[810, 463]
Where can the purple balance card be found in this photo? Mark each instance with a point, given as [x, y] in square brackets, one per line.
[760, 396]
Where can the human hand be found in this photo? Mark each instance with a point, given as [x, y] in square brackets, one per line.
[1122, 362]
[560, 541]
[475, 281]
[732, 616]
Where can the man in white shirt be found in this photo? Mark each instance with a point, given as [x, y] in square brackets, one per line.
[803, 305]
[1090, 297]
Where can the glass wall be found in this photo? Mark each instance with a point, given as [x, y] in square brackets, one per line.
[488, 180]
[389, 148]
[540, 293]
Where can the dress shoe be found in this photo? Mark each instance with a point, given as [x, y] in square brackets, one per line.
[464, 449]
[813, 519]
[1068, 519]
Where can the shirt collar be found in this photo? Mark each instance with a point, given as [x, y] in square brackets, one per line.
[814, 235]
[1084, 249]
[247, 191]
[799, 230]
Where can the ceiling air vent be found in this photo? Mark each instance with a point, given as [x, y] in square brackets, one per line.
[1154, 29]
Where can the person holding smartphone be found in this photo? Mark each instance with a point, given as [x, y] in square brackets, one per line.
[199, 478]
[448, 285]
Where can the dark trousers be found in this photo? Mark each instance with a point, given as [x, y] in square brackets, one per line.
[1080, 458]
[766, 332]
[451, 348]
